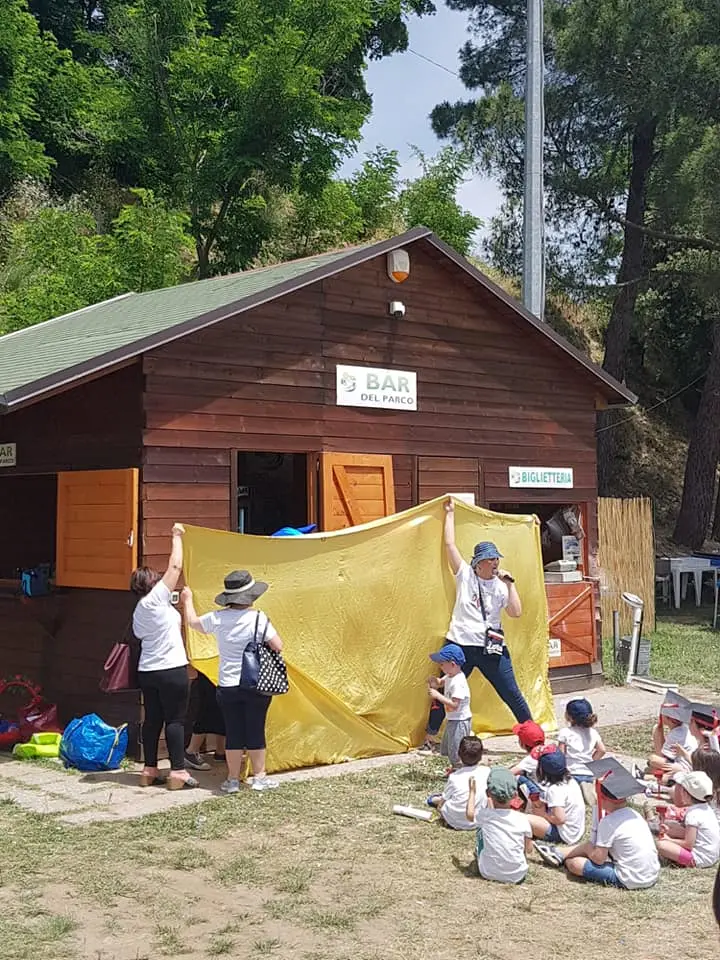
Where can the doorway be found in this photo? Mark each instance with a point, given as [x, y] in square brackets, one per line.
[271, 491]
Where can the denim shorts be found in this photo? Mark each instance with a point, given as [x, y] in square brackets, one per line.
[553, 834]
[605, 874]
[583, 777]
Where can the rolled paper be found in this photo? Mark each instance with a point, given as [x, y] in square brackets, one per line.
[412, 812]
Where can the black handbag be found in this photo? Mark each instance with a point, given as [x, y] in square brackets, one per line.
[494, 636]
[263, 669]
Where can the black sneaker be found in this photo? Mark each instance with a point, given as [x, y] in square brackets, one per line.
[195, 762]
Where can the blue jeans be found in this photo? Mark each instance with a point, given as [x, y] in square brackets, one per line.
[498, 671]
[605, 874]
[583, 777]
[531, 786]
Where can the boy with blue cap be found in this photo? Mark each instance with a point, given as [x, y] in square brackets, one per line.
[453, 692]
[482, 592]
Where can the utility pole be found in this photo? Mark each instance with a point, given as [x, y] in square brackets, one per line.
[533, 281]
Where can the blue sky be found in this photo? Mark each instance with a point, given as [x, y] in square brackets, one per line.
[405, 88]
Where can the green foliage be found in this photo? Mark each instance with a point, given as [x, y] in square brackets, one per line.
[430, 200]
[57, 262]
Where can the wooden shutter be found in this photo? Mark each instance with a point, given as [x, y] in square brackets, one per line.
[97, 528]
[440, 475]
[356, 488]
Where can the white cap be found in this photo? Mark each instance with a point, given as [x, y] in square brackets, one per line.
[698, 784]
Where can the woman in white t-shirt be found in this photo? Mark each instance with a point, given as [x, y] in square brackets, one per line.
[162, 668]
[482, 592]
[244, 711]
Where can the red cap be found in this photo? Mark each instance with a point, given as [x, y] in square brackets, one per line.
[529, 733]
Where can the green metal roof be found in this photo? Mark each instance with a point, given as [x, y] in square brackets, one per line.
[60, 352]
[43, 351]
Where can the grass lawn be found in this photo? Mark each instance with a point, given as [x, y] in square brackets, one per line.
[681, 649]
[322, 870]
[319, 870]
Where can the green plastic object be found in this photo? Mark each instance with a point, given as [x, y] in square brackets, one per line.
[46, 745]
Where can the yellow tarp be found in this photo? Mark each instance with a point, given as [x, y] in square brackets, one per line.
[359, 611]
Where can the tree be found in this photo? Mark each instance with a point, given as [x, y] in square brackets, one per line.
[57, 261]
[374, 203]
[613, 98]
[226, 102]
[430, 200]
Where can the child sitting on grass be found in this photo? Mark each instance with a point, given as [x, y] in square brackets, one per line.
[696, 843]
[452, 802]
[504, 836]
[581, 743]
[453, 692]
[708, 761]
[673, 743]
[622, 853]
[531, 738]
[559, 817]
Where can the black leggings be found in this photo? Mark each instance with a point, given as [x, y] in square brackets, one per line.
[244, 712]
[165, 698]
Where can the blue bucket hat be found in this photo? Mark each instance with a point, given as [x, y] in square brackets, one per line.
[485, 551]
[579, 709]
[450, 653]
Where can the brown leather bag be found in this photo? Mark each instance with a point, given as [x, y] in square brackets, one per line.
[120, 670]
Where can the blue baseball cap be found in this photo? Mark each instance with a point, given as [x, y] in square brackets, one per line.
[579, 709]
[485, 551]
[552, 763]
[450, 653]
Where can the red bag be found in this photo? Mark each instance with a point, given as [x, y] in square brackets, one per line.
[37, 716]
[40, 716]
[121, 667]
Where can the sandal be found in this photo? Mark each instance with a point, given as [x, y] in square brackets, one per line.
[176, 783]
[147, 780]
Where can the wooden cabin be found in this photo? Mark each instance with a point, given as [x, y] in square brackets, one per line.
[279, 396]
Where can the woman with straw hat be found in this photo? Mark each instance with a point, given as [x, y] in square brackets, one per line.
[245, 711]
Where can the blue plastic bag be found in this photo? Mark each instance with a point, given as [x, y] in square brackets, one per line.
[90, 744]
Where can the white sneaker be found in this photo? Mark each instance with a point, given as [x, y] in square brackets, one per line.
[230, 786]
[264, 783]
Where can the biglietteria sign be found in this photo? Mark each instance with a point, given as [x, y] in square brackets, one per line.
[374, 387]
[541, 477]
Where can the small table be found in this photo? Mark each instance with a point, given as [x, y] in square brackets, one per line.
[694, 565]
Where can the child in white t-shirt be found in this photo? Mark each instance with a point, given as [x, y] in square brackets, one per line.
[559, 817]
[673, 743]
[504, 836]
[696, 843]
[621, 851]
[453, 692]
[580, 741]
[708, 761]
[452, 802]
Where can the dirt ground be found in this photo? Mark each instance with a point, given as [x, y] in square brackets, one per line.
[318, 870]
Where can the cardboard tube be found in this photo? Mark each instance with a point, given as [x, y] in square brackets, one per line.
[412, 812]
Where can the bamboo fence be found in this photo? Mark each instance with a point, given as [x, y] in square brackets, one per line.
[626, 556]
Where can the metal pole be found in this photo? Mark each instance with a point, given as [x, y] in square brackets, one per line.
[533, 219]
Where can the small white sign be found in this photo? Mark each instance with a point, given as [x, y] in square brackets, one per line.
[373, 387]
[555, 647]
[559, 478]
[571, 549]
[468, 498]
[8, 455]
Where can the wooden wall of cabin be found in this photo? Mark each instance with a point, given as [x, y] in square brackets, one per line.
[62, 640]
[492, 392]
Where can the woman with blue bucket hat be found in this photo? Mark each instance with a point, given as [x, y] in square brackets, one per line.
[482, 591]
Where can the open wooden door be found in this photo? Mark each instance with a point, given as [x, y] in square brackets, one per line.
[355, 488]
[97, 528]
